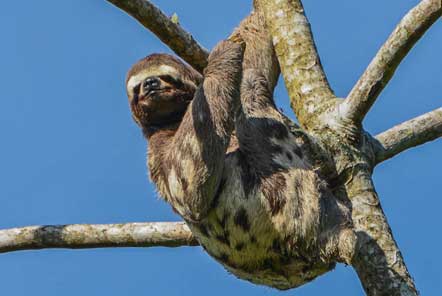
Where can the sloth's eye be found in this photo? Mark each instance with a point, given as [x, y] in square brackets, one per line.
[172, 80]
[136, 89]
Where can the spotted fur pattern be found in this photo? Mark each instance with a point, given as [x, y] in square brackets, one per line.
[234, 172]
[187, 163]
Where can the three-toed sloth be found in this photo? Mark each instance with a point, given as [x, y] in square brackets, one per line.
[221, 155]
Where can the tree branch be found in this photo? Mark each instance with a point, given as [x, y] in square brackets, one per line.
[377, 260]
[79, 236]
[414, 132]
[382, 67]
[171, 33]
[304, 77]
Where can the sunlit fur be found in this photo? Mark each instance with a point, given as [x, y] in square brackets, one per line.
[231, 168]
[168, 105]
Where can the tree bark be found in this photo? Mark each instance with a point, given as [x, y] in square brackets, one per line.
[305, 80]
[409, 30]
[168, 31]
[377, 258]
[80, 236]
[417, 131]
[341, 151]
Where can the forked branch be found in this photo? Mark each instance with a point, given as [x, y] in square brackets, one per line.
[414, 24]
[171, 33]
[414, 132]
[378, 262]
[79, 236]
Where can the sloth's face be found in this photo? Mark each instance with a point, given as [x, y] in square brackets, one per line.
[159, 94]
[160, 100]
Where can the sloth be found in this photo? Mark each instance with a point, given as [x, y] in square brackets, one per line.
[222, 155]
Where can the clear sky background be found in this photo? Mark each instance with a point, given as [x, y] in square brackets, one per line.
[70, 153]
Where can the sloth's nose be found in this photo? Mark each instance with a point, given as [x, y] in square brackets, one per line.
[151, 83]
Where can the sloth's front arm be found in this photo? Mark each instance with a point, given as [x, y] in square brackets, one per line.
[197, 150]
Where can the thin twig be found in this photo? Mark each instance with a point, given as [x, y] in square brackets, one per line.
[168, 31]
[414, 132]
[79, 236]
[410, 29]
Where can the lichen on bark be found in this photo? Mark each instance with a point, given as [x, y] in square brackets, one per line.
[331, 135]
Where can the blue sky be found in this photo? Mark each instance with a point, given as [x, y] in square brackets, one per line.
[70, 152]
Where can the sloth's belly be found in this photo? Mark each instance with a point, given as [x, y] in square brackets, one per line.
[240, 234]
[264, 230]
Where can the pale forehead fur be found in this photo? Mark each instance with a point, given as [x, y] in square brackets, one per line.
[151, 71]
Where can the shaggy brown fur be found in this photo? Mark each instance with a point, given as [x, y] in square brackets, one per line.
[229, 165]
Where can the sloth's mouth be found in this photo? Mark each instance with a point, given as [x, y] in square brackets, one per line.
[154, 94]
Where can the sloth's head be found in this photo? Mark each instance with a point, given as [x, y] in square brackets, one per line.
[159, 88]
